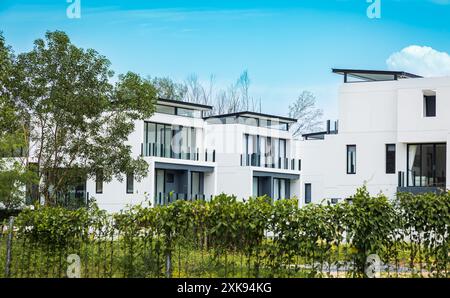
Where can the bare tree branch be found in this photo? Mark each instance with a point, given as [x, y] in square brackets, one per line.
[309, 118]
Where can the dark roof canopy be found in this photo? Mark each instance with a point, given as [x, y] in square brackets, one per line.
[373, 75]
[180, 103]
[256, 115]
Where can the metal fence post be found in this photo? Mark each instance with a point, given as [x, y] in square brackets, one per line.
[9, 247]
[168, 265]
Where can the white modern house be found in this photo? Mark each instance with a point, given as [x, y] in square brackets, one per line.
[255, 155]
[392, 136]
[193, 157]
[172, 142]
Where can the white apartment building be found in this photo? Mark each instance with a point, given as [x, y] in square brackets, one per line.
[192, 156]
[392, 136]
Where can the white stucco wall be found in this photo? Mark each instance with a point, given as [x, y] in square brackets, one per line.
[371, 115]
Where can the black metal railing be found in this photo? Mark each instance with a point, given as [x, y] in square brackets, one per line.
[167, 198]
[268, 161]
[169, 151]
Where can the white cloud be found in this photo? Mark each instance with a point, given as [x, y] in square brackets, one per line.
[420, 60]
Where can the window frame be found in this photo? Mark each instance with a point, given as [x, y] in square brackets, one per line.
[427, 113]
[349, 170]
[388, 169]
[410, 182]
[308, 199]
[129, 179]
[99, 182]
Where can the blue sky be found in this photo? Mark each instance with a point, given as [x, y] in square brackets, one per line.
[286, 46]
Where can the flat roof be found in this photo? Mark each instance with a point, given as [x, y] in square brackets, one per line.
[256, 115]
[180, 103]
[374, 75]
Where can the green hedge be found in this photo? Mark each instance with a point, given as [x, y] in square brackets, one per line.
[258, 237]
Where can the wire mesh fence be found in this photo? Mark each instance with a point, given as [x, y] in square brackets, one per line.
[226, 238]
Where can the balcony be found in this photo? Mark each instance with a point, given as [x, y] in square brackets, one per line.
[268, 161]
[417, 187]
[167, 198]
[188, 153]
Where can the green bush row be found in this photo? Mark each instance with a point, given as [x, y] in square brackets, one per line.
[412, 231]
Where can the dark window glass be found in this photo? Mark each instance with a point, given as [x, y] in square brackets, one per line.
[170, 178]
[390, 159]
[264, 123]
[430, 105]
[165, 109]
[308, 191]
[99, 182]
[351, 159]
[130, 183]
[427, 165]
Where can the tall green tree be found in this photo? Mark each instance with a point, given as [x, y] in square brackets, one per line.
[79, 122]
[14, 171]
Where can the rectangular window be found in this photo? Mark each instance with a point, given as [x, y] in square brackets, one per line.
[308, 191]
[248, 121]
[264, 123]
[165, 109]
[429, 105]
[99, 182]
[427, 165]
[196, 185]
[255, 186]
[159, 187]
[170, 141]
[280, 188]
[185, 112]
[351, 159]
[390, 159]
[130, 183]
[276, 189]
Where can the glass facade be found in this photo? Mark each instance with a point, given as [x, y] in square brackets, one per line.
[427, 165]
[172, 185]
[165, 109]
[252, 121]
[185, 112]
[280, 189]
[265, 151]
[171, 141]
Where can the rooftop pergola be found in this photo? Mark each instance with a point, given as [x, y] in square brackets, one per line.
[373, 75]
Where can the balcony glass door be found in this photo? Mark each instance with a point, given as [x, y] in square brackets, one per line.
[427, 165]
